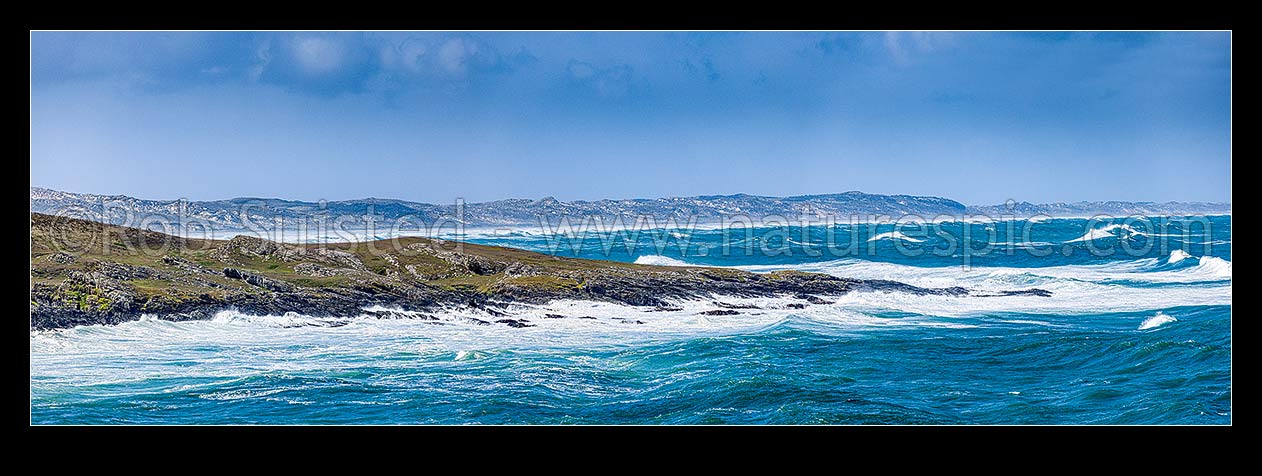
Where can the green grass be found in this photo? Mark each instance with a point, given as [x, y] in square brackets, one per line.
[778, 275]
[84, 298]
[320, 281]
[541, 282]
[477, 283]
[84, 239]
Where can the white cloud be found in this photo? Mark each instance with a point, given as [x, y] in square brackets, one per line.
[453, 56]
[412, 54]
[904, 46]
[614, 81]
[318, 55]
[262, 56]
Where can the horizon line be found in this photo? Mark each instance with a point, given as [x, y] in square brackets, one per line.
[625, 199]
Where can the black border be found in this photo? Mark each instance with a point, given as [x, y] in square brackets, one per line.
[840, 447]
[617, 443]
[641, 16]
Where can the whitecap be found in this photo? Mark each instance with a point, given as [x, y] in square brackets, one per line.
[659, 260]
[894, 235]
[240, 394]
[1156, 320]
[1121, 286]
[468, 355]
[1177, 256]
[1105, 232]
[977, 219]
[1213, 266]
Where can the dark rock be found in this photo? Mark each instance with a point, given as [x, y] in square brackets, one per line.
[720, 312]
[1023, 292]
[125, 272]
[514, 270]
[795, 306]
[312, 269]
[553, 316]
[257, 280]
[186, 265]
[515, 323]
[895, 286]
[60, 257]
[389, 314]
[734, 306]
[813, 299]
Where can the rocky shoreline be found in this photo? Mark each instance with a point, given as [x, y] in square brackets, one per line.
[85, 273]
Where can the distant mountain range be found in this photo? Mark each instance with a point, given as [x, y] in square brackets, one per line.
[1114, 208]
[238, 213]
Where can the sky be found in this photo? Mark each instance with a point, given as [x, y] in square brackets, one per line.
[979, 117]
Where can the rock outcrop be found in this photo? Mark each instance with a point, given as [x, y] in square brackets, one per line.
[86, 272]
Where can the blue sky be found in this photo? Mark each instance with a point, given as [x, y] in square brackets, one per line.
[979, 117]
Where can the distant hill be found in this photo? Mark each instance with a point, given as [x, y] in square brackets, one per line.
[239, 213]
[232, 213]
[1113, 208]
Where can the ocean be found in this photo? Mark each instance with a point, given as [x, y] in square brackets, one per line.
[1137, 331]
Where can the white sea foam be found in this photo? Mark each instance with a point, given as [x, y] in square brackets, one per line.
[243, 344]
[297, 342]
[1156, 320]
[1146, 270]
[458, 333]
[1076, 289]
[1214, 266]
[660, 260]
[1177, 256]
[894, 235]
[241, 394]
[1107, 231]
[1039, 245]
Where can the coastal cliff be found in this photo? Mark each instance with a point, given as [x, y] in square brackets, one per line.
[85, 272]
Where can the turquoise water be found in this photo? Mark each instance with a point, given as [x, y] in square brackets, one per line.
[1140, 336]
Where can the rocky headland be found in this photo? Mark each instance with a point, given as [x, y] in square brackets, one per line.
[85, 272]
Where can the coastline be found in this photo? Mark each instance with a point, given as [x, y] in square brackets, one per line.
[87, 272]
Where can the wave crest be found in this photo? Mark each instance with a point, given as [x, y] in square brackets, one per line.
[894, 235]
[1157, 320]
[1214, 266]
[1108, 231]
[659, 260]
[1178, 256]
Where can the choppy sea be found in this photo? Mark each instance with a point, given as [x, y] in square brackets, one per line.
[1137, 331]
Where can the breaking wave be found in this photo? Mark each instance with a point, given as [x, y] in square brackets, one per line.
[1156, 320]
[1108, 231]
[659, 260]
[894, 235]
